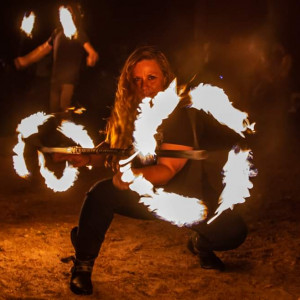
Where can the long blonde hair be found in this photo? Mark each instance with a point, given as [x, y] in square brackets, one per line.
[120, 125]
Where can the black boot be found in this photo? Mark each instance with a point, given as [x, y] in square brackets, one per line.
[207, 258]
[81, 283]
[73, 236]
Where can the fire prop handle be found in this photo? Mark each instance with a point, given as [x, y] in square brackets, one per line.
[188, 154]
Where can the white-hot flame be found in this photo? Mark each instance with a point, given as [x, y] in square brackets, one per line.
[28, 23]
[174, 208]
[77, 133]
[29, 126]
[26, 128]
[237, 172]
[80, 136]
[18, 159]
[67, 22]
[150, 117]
[214, 101]
[57, 185]
[177, 209]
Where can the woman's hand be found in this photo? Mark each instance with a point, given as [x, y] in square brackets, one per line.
[118, 183]
[76, 160]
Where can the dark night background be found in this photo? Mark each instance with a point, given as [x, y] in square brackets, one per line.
[245, 42]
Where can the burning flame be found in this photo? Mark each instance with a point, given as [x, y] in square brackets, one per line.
[151, 114]
[29, 126]
[57, 185]
[178, 210]
[67, 22]
[174, 208]
[18, 159]
[27, 23]
[79, 110]
[237, 171]
[214, 101]
[77, 133]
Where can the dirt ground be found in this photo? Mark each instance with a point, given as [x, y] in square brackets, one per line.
[149, 259]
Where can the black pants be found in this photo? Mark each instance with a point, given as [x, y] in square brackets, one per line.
[103, 200]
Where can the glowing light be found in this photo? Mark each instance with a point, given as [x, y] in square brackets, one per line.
[77, 133]
[57, 185]
[214, 101]
[237, 172]
[67, 22]
[18, 159]
[29, 126]
[174, 208]
[151, 116]
[28, 23]
[177, 209]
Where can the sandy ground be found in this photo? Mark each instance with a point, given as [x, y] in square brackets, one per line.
[149, 259]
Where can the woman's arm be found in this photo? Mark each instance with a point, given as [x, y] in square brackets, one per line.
[159, 174]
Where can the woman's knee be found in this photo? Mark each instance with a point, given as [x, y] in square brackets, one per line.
[98, 194]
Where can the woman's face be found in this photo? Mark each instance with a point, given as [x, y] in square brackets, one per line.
[148, 78]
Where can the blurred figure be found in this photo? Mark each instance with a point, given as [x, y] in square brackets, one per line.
[68, 54]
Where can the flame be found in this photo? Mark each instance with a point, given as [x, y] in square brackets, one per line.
[27, 23]
[151, 114]
[67, 22]
[237, 172]
[29, 126]
[77, 133]
[57, 185]
[18, 159]
[174, 208]
[179, 210]
[80, 136]
[78, 110]
[214, 101]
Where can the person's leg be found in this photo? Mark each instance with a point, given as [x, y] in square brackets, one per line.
[226, 232]
[97, 212]
[67, 91]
